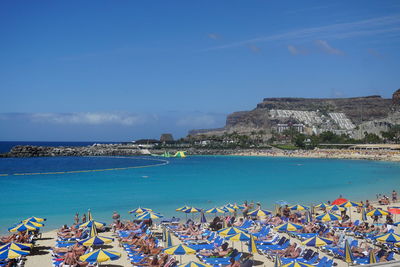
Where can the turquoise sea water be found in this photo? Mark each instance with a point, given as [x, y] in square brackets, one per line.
[201, 181]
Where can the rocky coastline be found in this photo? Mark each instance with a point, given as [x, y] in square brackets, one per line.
[124, 150]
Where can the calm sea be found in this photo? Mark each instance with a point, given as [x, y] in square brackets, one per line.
[201, 181]
[5, 146]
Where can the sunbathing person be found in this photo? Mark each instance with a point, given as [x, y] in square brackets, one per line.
[218, 252]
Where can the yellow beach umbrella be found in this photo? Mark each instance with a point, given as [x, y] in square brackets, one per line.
[34, 219]
[23, 227]
[289, 227]
[229, 231]
[12, 253]
[100, 255]
[16, 246]
[377, 212]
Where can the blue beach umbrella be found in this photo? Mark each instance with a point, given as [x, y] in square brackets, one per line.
[326, 217]
[296, 263]
[259, 213]
[22, 227]
[140, 210]
[194, 264]
[16, 246]
[298, 207]
[148, 215]
[348, 255]
[289, 227]
[322, 205]
[317, 241]
[12, 253]
[100, 255]
[214, 210]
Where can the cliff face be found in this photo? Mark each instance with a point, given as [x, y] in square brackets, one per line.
[316, 114]
[358, 109]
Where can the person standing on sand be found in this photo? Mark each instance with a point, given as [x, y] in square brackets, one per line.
[84, 218]
[116, 218]
[76, 218]
[394, 196]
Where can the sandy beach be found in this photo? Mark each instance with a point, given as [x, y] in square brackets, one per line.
[41, 254]
[378, 155]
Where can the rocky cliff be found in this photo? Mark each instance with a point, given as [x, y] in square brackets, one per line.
[344, 115]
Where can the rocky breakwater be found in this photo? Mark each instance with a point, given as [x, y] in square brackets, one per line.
[94, 150]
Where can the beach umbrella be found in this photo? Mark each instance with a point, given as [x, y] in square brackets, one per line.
[388, 238]
[317, 241]
[34, 219]
[140, 210]
[335, 208]
[12, 253]
[348, 255]
[168, 239]
[377, 212]
[100, 255]
[259, 213]
[372, 258]
[327, 217]
[239, 237]
[238, 207]
[90, 223]
[296, 263]
[182, 208]
[194, 264]
[148, 215]
[16, 246]
[252, 245]
[308, 216]
[22, 227]
[192, 210]
[94, 239]
[298, 207]
[230, 231]
[35, 224]
[214, 210]
[278, 261]
[203, 218]
[289, 227]
[228, 209]
[394, 210]
[363, 214]
[349, 204]
[339, 201]
[322, 205]
[179, 250]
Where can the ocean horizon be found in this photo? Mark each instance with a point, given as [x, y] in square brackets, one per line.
[76, 184]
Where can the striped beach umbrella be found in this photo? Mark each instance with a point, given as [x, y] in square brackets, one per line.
[100, 255]
[228, 209]
[252, 245]
[90, 223]
[230, 231]
[179, 250]
[94, 239]
[335, 208]
[296, 263]
[317, 241]
[238, 207]
[214, 210]
[239, 237]
[348, 255]
[259, 213]
[182, 209]
[22, 227]
[322, 205]
[16, 246]
[12, 253]
[194, 264]
[35, 224]
[371, 257]
[192, 210]
[377, 212]
[140, 210]
[388, 238]
[349, 204]
[327, 217]
[277, 261]
[34, 219]
[289, 227]
[298, 207]
[148, 215]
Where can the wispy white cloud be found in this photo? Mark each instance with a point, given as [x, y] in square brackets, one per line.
[214, 36]
[327, 48]
[295, 50]
[84, 118]
[368, 27]
[255, 49]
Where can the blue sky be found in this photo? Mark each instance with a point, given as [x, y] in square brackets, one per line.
[122, 70]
